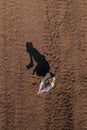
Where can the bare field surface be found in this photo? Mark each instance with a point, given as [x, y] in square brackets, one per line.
[58, 30]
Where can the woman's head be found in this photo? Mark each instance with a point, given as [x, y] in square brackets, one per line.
[50, 80]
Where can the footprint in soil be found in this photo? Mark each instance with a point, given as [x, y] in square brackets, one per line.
[42, 66]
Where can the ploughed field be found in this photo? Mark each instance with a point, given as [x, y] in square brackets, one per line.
[58, 30]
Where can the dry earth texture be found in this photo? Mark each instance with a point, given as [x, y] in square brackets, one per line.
[58, 30]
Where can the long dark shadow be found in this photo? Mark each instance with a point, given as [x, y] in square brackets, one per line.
[42, 66]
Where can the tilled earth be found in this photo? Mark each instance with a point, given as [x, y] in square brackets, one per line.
[58, 30]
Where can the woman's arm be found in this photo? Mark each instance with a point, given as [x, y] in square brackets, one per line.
[53, 82]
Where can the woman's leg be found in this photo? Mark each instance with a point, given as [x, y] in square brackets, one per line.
[41, 85]
[40, 92]
[40, 88]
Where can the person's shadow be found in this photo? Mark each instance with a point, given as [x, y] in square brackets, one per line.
[42, 66]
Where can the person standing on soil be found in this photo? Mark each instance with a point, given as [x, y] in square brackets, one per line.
[47, 83]
[42, 68]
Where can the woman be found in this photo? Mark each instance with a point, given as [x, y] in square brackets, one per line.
[47, 83]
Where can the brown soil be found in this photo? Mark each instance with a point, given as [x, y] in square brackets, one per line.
[58, 30]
